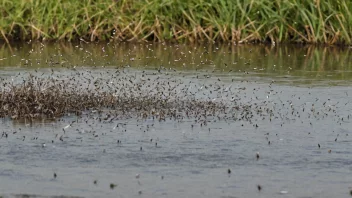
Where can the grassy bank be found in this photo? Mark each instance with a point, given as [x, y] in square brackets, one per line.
[304, 21]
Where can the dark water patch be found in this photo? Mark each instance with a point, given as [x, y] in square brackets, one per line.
[279, 62]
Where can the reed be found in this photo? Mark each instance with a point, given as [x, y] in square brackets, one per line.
[328, 22]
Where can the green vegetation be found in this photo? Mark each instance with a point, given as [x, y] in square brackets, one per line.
[315, 21]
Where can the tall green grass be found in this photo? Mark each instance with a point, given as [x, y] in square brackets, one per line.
[313, 21]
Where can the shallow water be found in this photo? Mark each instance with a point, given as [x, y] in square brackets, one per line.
[307, 88]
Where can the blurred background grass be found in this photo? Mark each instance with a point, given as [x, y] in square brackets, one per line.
[326, 22]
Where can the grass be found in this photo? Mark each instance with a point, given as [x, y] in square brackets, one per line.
[327, 22]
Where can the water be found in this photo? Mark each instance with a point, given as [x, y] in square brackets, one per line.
[307, 88]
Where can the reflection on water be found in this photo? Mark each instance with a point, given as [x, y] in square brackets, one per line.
[259, 60]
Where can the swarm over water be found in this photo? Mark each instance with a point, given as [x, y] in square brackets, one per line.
[137, 95]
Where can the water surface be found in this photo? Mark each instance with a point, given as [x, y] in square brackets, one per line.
[307, 89]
